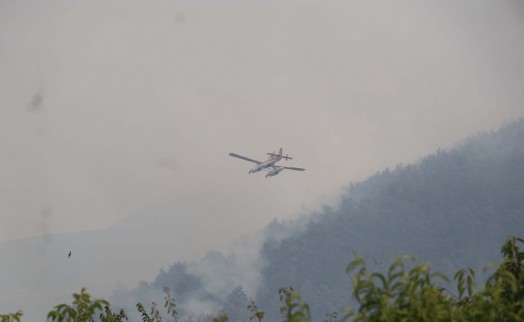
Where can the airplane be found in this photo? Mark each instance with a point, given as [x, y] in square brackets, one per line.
[268, 164]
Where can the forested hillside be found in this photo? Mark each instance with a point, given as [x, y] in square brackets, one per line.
[452, 208]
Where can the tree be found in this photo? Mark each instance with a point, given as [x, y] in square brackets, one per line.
[84, 309]
[293, 309]
[235, 305]
[11, 317]
[409, 291]
[255, 312]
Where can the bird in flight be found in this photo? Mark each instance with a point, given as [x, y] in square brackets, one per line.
[69, 254]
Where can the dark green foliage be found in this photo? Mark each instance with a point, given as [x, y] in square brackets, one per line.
[511, 271]
[293, 309]
[145, 317]
[221, 318]
[155, 313]
[255, 312]
[84, 309]
[407, 292]
[11, 317]
[462, 284]
[170, 304]
[108, 316]
[410, 292]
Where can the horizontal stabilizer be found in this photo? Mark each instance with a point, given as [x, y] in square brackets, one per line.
[283, 156]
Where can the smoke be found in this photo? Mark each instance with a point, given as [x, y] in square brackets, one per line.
[195, 307]
[242, 266]
[208, 282]
[201, 287]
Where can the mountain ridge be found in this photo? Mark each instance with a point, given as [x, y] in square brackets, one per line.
[453, 208]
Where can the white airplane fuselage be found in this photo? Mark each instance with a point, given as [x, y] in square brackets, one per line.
[266, 164]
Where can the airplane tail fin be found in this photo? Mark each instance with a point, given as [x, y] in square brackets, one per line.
[279, 155]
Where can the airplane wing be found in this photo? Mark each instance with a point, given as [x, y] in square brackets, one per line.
[293, 168]
[244, 158]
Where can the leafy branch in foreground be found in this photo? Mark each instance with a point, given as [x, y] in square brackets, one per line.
[11, 317]
[255, 312]
[221, 318]
[401, 294]
[83, 308]
[409, 291]
[293, 308]
[170, 304]
[109, 316]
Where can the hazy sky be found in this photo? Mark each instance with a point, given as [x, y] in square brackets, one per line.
[112, 107]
